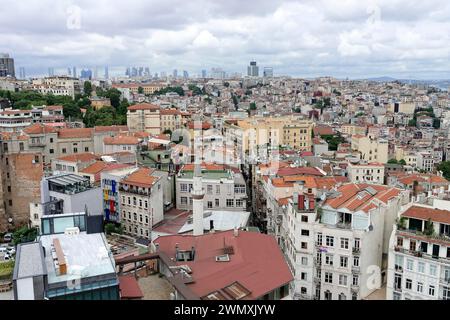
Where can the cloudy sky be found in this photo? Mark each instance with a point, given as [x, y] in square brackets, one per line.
[343, 38]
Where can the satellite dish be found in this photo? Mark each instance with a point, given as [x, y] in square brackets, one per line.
[10, 220]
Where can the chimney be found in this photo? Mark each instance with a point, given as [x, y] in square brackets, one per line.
[312, 203]
[301, 202]
[235, 232]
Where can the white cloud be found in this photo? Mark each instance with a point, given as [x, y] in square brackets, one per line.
[306, 38]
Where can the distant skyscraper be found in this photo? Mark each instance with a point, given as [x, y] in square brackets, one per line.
[203, 73]
[106, 72]
[134, 72]
[175, 73]
[268, 72]
[253, 69]
[22, 73]
[217, 73]
[128, 72]
[6, 65]
[86, 74]
[69, 72]
[51, 72]
[147, 72]
[95, 72]
[163, 74]
[185, 74]
[74, 72]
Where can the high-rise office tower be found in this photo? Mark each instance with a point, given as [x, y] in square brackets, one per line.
[22, 73]
[268, 72]
[6, 66]
[86, 74]
[147, 72]
[69, 72]
[74, 72]
[95, 72]
[253, 69]
[175, 73]
[185, 74]
[51, 72]
[203, 73]
[106, 72]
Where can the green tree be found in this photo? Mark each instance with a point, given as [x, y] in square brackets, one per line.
[252, 106]
[140, 90]
[72, 110]
[445, 168]
[402, 162]
[24, 234]
[87, 89]
[393, 161]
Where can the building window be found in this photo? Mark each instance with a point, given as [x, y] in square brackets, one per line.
[86, 149]
[75, 150]
[328, 295]
[355, 280]
[304, 261]
[209, 189]
[342, 280]
[239, 203]
[357, 243]
[329, 259]
[431, 290]
[328, 277]
[400, 241]
[445, 293]
[217, 189]
[63, 150]
[210, 204]
[356, 261]
[230, 203]
[10, 203]
[304, 245]
[342, 296]
[397, 296]
[217, 203]
[408, 284]
[305, 232]
[419, 287]
[303, 276]
[304, 218]
[183, 187]
[421, 267]
[344, 243]
[343, 262]
[145, 204]
[409, 264]
[329, 241]
[183, 200]
[319, 239]
[134, 201]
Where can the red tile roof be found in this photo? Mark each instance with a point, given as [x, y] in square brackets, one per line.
[110, 128]
[82, 157]
[121, 140]
[423, 213]
[75, 133]
[257, 262]
[144, 106]
[39, 128]
[129, 288]
[141, 178]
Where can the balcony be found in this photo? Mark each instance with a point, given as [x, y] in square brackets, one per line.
[356, 250]
[398, 268]
[135, 191]
[344, 225]
[354, 288]
[356, 269]
[317, 280]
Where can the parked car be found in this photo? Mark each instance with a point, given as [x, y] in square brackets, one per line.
[3, 249]
[11, 250]
[7, 237]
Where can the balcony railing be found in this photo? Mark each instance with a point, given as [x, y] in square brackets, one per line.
[344, 225]
[356, 250]
[420, 254]
[356, 269]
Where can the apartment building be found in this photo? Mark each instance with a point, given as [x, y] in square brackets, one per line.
[144, 117]
[75, 140]
[110, 181]
[419, 254]
[371, 150]
[224, 188]
[120, 143]
[171, 120]
[147, 88]
[141, 204]
[425, 161]
[335, 248]
[291, 131]
[14, 120]
[366, 173]
[57, 85]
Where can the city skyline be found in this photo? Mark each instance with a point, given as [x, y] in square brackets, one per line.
[297, 38]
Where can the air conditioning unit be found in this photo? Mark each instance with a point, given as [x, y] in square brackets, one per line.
[72, 231]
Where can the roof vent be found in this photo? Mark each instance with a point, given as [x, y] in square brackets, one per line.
[223, 258]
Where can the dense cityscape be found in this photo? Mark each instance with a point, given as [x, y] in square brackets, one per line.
[214, 184]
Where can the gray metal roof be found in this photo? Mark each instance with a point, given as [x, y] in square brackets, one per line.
[29, 261]
[67, 179]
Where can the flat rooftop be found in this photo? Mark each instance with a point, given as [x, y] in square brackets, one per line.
[86, 255]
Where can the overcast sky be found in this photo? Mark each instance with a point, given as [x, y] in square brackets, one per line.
[343, 38]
